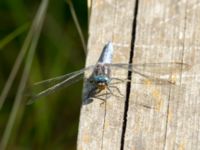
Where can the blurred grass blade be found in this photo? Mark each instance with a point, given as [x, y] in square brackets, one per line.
[13, 35]
[16, 67]
[89, 4]
[37, 26]
[77, 25]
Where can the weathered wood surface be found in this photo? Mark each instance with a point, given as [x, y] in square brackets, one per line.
[166, 31]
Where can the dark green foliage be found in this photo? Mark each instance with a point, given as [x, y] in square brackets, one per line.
[51, 122]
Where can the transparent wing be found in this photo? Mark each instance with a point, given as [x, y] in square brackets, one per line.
[53, 81]
[156, 68]
[60, 82]
[148, 80]
[151, 71]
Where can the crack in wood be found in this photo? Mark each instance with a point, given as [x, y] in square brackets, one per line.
[128, 87]
[103, 125]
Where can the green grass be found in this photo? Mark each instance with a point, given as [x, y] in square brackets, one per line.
[51, 122]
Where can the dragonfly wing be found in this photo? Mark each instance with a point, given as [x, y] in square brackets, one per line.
[148, 79]
[152, 79]
[152, 71]
[53, 81]
[156, 68]
[65, 80]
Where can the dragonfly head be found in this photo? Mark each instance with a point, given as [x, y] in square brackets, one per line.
[101, 81]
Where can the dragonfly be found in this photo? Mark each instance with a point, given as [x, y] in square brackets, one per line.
[101, 77]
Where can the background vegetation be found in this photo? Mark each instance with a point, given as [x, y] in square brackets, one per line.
[51, 122]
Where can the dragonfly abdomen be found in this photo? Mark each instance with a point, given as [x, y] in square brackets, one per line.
[107, 54]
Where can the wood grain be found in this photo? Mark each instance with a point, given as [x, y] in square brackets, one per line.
[165, 33]
[101, 124]
[155, 116]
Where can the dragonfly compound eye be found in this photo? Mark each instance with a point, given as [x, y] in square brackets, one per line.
[101, 79]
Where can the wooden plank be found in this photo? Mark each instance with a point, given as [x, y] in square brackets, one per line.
[167, 31]
[184, 122]
[100, 124]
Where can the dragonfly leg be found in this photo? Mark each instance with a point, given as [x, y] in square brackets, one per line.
[102, 99]
[119, 81]
[108, 95]
[93, 92]
[114, 87]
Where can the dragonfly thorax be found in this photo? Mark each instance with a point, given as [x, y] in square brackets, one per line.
[102, 69]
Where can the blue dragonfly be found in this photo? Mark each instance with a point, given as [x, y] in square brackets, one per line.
[101, 78]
